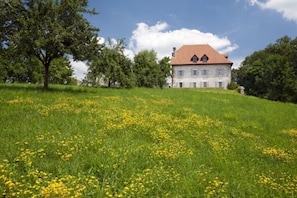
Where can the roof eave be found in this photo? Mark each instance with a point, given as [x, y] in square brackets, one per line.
[195, 64]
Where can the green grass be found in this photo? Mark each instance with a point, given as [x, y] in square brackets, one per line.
[99, 142]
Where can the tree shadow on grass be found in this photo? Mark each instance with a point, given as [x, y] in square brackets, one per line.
[75, 89]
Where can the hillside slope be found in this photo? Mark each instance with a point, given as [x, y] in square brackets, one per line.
[87, 142]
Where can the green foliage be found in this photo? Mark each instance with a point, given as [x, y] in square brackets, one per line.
[111, 66]
[10, 21]
[232, 86]
[30, 70]
[85, 142]
[18, 68]
[48, 30]
[3, 73]
[148, 71]
[271, 73]
[165, 71]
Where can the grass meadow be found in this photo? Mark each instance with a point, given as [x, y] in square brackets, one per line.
[99, 142]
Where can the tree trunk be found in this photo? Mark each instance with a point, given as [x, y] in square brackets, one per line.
[46, 76]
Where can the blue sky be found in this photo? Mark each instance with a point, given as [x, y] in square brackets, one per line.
[236, 27]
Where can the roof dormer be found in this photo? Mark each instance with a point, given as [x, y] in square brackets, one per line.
[194, 59]
[204, 58]
[204, 54]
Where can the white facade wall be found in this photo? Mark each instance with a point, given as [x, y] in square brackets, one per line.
[201, 76]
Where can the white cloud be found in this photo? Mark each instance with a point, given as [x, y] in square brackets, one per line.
[158, 38]
[237, 62]
[286, 7]
[80, 69]
[129, 53]
[101, 40]
[161, 40]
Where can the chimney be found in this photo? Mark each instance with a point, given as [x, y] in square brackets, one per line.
[173, 53]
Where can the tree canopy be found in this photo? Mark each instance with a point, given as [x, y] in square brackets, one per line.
[30, 70]
[47, 30]
[111, 66]
[148, 71]
[272, 72]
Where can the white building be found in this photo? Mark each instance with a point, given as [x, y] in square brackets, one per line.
[197, 66]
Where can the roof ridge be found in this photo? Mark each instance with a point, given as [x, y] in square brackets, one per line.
[195, 44]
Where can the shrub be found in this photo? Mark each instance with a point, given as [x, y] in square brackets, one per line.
[232, 86]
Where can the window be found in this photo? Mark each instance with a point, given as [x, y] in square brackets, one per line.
[180, 85]
[220, 84]
[194, 72]
[204, 84]
[220, 72]
[204, 72]
[204, 58]
[194, 59]
[194, 84]
[180, 73]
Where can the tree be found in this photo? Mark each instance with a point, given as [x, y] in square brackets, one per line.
[48, 30]
[61, 72]
[22, 69]
[166, 71]
[3, 71]
[18, 68]
[10, 16]
[111, 66]
[9, 25]
[148, 71]
[271, 73]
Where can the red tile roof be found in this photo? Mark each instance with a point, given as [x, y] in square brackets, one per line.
[183, 55]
